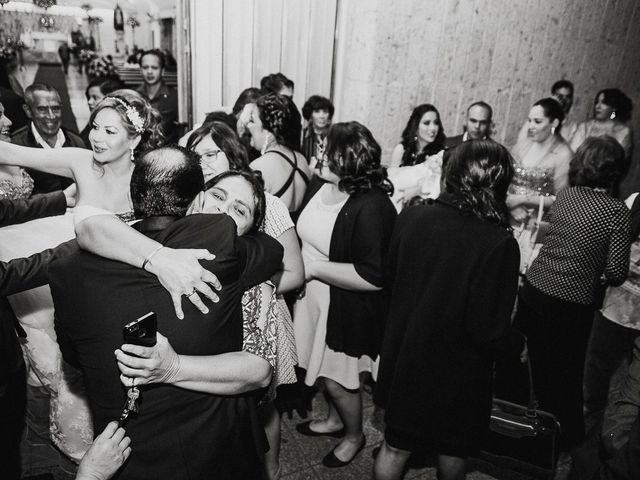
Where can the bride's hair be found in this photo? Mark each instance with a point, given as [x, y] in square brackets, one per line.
[148, 118]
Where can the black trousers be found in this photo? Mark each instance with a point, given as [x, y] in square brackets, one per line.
[13, 401]
[557, 333]
[609, 344]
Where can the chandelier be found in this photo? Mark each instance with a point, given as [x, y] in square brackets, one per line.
[44, 3]
[133, 22]
[47, 21]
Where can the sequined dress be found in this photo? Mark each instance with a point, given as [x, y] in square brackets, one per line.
[9, 190]
[531, 181]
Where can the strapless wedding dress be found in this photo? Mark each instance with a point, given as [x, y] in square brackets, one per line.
[70, 420]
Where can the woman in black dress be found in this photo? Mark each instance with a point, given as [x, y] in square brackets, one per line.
[453, 273]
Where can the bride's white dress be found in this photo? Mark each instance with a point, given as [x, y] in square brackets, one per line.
[70, 419]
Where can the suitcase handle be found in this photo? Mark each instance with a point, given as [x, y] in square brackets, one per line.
[532, 406]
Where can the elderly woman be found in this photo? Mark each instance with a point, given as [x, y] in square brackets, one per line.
[416, 162]
[441, 339]
[345, 228]
[276, 134]
[317, 111]
[611, 116]
[586, 248]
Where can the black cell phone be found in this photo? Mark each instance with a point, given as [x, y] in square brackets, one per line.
[141, 331]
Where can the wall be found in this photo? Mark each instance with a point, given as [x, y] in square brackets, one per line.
[392, 56]
[236, 42]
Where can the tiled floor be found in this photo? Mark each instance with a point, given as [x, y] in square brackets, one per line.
[301, 456]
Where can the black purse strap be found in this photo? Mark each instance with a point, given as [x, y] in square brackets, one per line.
[532, 406]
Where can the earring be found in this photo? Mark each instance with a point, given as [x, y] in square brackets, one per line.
[133, 158]
[613, 115]
[553, 130]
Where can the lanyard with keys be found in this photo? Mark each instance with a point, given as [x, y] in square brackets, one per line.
[131, 404]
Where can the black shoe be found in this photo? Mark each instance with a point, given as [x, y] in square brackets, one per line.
[304, 428]
[331, 461]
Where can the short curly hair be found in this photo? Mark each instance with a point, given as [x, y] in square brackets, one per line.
[598, 163]
[280, 116]
[354, 155]
[317, 102]
[617, 100]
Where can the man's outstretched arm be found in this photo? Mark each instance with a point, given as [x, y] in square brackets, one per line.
[38, 206]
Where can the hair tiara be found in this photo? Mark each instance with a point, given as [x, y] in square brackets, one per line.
[132, 114]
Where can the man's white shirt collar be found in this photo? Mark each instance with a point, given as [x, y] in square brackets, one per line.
[59, 140]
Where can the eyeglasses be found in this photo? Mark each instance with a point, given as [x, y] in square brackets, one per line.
[209, 157]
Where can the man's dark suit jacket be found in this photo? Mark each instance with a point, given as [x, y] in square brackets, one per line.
[451, 142]
[46, 182]
[178, 434]
[16, 276]
[13, 108]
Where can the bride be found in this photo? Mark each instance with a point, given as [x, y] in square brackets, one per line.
[121, 125]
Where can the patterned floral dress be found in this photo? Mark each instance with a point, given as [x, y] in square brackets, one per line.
[270, 334]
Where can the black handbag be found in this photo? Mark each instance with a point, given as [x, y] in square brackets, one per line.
[523, 438]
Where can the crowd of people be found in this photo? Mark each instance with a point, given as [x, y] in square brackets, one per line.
[278, 249]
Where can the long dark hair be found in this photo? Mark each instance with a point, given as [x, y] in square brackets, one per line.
[411, 155]
[226, 139]
[354, 156]
[477, 175]
[616, 99]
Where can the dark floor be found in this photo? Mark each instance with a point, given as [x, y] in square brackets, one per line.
[300, 456]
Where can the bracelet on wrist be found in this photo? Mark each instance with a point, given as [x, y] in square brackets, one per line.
[150, 256]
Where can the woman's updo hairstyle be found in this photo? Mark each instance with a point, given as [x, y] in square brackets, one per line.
[280, 116]
[617, 100]
[120, 101]
[553, 110]
[411, 155]
[477, 175]
[354, 155]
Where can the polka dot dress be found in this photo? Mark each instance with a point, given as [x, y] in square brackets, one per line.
[589, 236]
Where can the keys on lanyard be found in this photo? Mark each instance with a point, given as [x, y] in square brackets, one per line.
[131, 404]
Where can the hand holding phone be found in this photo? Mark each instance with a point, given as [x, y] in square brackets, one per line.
[142, 331]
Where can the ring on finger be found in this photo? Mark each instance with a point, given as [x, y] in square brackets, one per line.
[193, 292]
